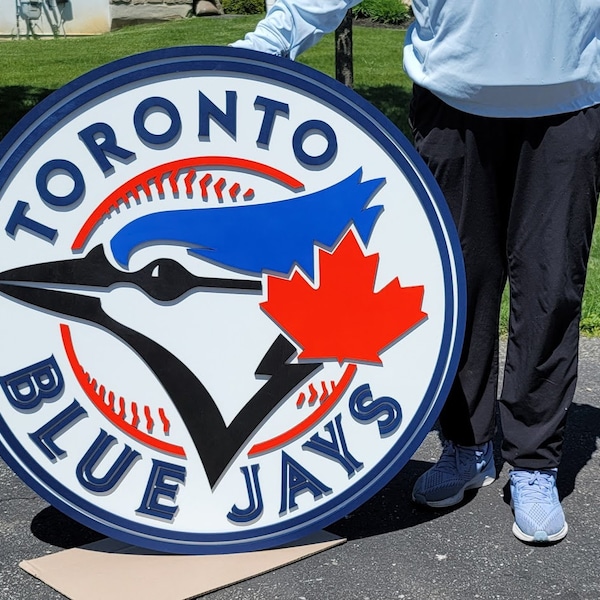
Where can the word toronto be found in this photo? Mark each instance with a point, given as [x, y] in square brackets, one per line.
[100, 140]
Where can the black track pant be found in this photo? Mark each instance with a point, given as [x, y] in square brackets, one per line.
[523, 194]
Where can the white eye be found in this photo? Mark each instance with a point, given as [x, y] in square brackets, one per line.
[155, 271]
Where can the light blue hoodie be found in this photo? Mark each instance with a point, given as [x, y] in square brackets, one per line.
[499, 58]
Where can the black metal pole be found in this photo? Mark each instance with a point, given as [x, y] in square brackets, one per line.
[344, 69]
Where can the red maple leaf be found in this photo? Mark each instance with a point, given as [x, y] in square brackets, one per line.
[343, 318]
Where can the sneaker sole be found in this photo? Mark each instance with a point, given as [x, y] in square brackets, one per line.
[458, 497]
[540, 537]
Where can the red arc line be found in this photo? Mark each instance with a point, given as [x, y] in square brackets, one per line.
[155, 174]
[98, 402]
[315, 417]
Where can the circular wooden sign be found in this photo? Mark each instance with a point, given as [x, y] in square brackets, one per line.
[231, 300]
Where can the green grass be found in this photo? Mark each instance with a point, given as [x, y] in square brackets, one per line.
[51, 63]
[590, 318]
[32, 69]
[590, 310]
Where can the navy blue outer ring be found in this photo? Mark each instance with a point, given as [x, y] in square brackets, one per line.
[245, 63]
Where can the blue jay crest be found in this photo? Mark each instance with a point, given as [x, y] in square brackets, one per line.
[231, 297]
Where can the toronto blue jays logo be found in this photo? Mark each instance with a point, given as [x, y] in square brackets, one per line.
[230, 323]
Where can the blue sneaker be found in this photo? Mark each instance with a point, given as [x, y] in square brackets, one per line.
[539, 517]
[460, 468]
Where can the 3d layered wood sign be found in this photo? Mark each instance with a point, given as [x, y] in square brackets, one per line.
[230, 298]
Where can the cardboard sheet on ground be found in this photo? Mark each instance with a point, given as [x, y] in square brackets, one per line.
[111, 569]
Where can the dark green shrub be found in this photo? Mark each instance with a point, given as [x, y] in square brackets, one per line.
[392, 12]
[243, 7]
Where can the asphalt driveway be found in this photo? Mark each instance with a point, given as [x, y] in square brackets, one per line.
[395, 550]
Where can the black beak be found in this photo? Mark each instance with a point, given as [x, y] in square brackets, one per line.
[163, 280]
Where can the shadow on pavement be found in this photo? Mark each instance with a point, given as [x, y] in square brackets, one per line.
[581, 440]
[389, 510]
[55, 528]
[392, 509]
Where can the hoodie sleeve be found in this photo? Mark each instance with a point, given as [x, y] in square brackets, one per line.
[292, 26]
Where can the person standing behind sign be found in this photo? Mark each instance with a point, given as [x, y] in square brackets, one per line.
[506, 114]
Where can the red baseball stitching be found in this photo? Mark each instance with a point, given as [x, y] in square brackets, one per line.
[123, 195]
[326, 405]
[106, 404]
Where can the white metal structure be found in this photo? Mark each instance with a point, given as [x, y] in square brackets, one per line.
[28, 13]
[72, 17]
